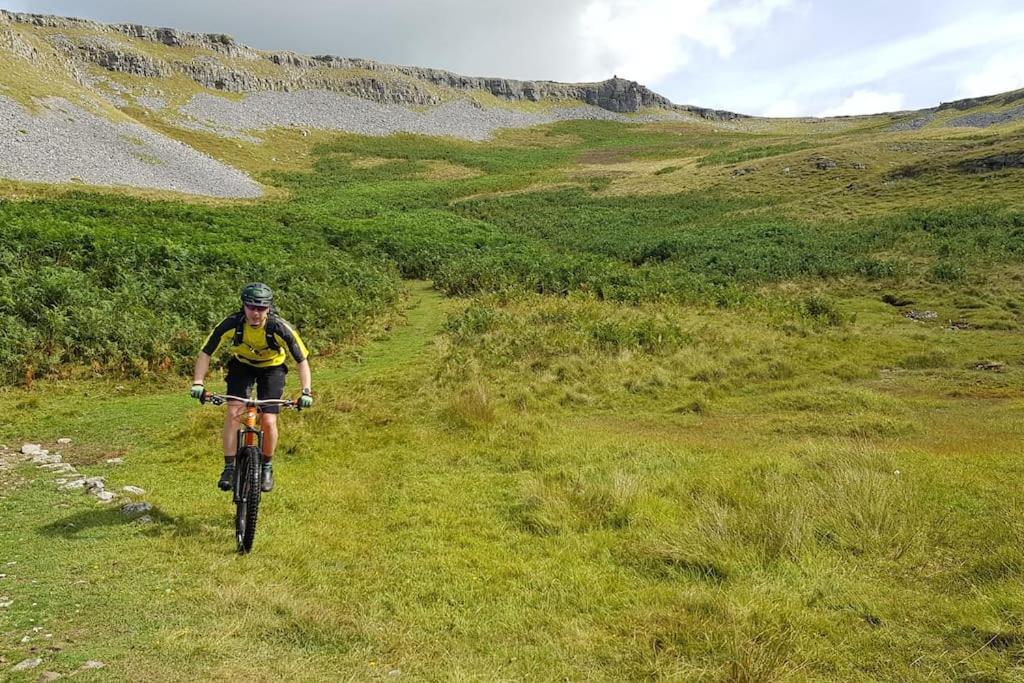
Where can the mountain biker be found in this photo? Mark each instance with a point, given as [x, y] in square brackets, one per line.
[258, 339]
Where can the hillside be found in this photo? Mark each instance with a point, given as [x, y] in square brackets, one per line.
[126, 93]
[630, 396]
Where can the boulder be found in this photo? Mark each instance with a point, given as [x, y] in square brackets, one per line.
[136, 508]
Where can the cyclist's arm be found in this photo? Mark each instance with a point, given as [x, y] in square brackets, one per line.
[202, 367]
[305, 376]
[289, 338]
[217, 338]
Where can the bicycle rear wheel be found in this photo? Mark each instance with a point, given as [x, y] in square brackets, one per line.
[247, 497]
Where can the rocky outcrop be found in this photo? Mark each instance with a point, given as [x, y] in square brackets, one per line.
[987, 118]
[111, 55]
[212, 74]
[1001, 99]
[410, 86]
[15, 43]
[995, 162]
[216, 42]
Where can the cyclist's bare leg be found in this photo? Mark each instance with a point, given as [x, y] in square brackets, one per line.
[269, 421]
[232, 419]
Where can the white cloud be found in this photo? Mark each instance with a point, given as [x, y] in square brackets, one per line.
[866, 102]
[647, 40]
[782, 109]
[1002, 72]
[869, 64]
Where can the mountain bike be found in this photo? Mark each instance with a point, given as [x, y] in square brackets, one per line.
[246, 487]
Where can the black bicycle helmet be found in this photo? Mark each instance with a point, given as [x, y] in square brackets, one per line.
[257, 294]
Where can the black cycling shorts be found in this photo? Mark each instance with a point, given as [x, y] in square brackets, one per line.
[269, 381]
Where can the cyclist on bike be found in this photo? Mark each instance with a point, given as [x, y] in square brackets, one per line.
[258, 339]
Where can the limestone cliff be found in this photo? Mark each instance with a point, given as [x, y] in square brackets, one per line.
[216, 61]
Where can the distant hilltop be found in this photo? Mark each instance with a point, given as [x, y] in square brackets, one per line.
[232, 67]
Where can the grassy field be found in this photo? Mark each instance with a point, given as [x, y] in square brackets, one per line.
[578, 416]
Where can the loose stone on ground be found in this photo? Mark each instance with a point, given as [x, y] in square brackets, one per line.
[97, 151]
[27, 664]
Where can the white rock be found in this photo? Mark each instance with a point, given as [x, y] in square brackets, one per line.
[6, 601]
[93, 664]
[27, 664]
[46, 458]
[105, 496]
[115, 461]
[58, 467]
[48, 676]
[64, 440]
[73, 485]
[145, 519]
[134, 490]
[31, 449]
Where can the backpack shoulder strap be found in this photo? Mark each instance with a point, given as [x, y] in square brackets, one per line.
[239, 327]
[271, 329]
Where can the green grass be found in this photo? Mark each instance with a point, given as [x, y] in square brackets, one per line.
[550, 539]
[748, 153]
[563, 430]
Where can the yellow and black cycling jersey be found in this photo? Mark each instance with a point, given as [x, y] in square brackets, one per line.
[261, 347]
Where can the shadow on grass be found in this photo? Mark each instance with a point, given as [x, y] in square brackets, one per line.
[160, 523]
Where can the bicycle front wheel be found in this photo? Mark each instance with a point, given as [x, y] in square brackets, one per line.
[247, 498]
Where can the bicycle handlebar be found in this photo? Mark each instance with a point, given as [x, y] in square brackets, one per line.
[220, 399]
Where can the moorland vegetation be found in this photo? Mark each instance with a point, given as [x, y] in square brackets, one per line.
[596, 401]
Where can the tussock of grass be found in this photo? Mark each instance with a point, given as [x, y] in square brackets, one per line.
[473, 406]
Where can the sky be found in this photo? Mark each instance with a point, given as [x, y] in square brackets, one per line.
[760, 57]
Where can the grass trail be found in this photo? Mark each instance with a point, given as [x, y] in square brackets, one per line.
[401, 346]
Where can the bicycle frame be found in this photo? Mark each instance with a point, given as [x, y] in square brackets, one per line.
[249, 434]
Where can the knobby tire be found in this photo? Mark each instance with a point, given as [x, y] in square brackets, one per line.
[247, 505]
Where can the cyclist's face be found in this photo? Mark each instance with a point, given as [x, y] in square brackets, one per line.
[255, 315]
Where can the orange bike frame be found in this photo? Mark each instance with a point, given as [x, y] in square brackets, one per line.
[250, 434]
